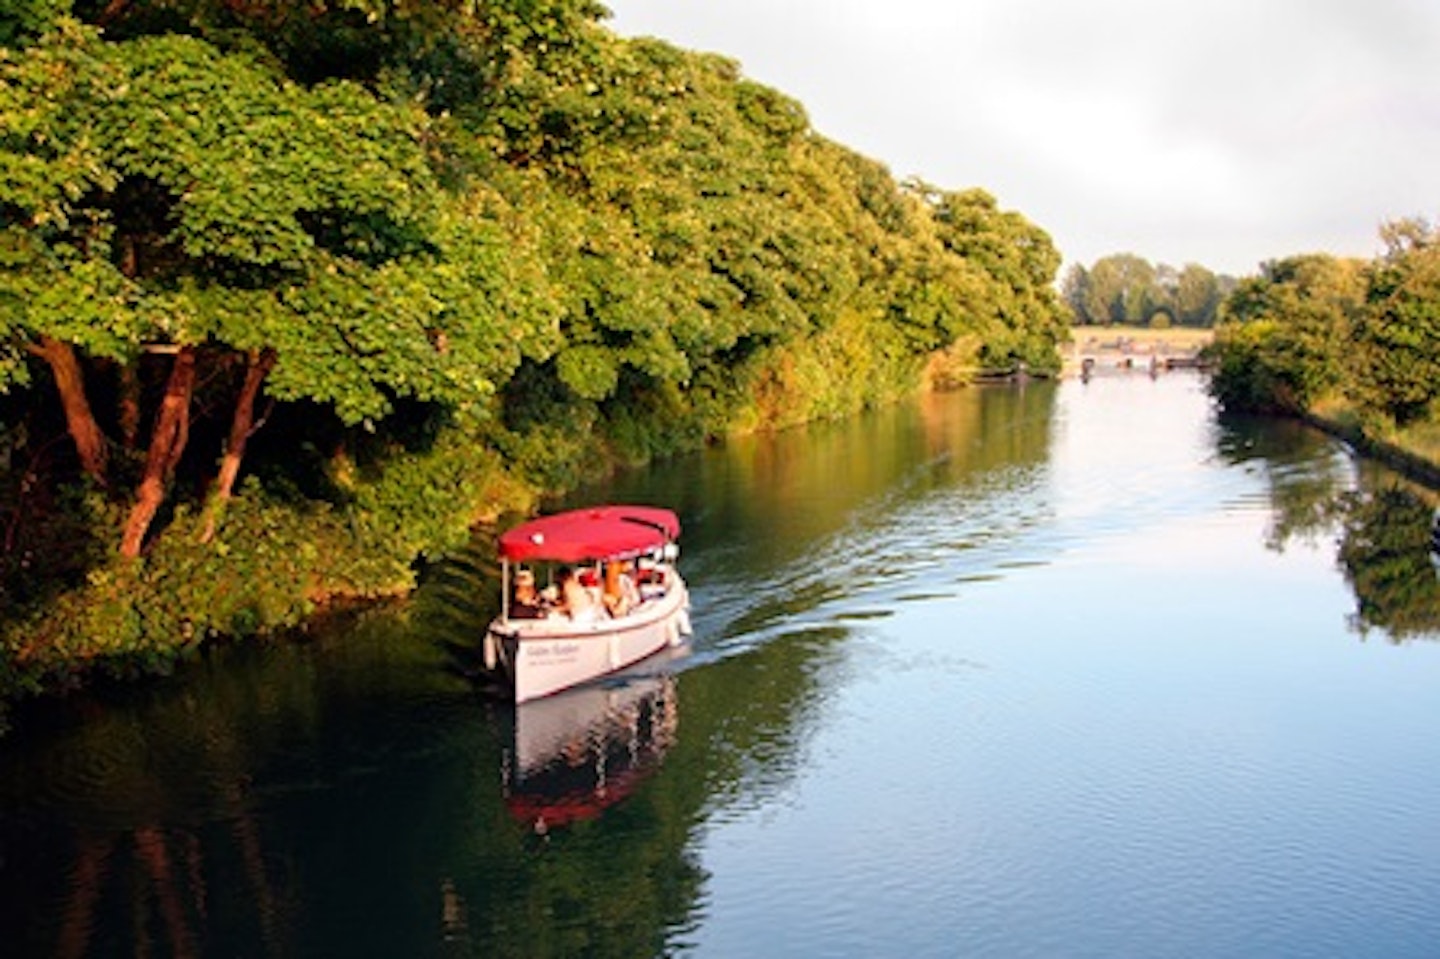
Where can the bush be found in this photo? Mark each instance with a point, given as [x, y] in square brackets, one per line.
[270, 566]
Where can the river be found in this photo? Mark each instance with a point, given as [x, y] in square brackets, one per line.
[1072, 669]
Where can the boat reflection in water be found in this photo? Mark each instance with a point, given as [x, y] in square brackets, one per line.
[580, 752]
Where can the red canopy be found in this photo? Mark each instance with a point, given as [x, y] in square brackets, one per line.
[598, 532]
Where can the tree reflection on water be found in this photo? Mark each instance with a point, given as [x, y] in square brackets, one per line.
[1381, 522]
[1385, 551]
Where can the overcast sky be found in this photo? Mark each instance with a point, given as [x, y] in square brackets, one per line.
[1219, 132]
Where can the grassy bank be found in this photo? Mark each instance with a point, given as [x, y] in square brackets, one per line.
[1413, 450]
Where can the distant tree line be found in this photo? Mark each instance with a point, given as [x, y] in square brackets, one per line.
[1127, 289]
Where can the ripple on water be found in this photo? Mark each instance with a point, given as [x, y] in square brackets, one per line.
[895, 550]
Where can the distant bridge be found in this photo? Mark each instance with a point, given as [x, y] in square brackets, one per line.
[1102, 350]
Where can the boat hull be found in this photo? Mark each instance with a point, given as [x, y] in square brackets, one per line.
[539, 657]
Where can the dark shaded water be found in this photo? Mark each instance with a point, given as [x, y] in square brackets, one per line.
[1069, 670]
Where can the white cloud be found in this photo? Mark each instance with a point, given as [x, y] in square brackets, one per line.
[1225, 132]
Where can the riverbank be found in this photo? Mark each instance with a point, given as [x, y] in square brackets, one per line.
[278, 560]
[1413, 451]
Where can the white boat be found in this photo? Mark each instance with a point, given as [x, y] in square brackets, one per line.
[554, 647]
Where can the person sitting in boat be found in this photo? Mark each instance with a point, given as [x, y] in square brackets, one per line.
[526, 603]
[651, 579]
[620, 595]
[575, 600]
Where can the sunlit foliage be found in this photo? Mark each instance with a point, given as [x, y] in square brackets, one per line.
[1316, 329]
[1284, 335]
[1399, 331]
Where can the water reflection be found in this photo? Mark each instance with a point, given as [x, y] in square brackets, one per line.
[1304, 472]
[218, 812]
[1385, 551]
[578, 753]
[1381, 525]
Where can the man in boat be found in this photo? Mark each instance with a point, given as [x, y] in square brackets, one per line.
[651, 579]
[620, 595]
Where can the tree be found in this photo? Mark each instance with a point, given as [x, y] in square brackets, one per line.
[1197, 295]
[416, 241]
[1284, 334]
[1021, 263]
[1075, 291]
[1161, 306]
[1125, 288]
[1399, 330]
[1121, 290]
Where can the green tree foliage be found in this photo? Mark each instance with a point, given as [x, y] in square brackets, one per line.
[316, 252]
[163, 192]
[23, 20]
[704, 236]
[1197, 296]
[1283, 334]
[1018, 263]
[1121, 289]
[1075, 293]
[1399, 331]
[1125, 288]
[1362, 336]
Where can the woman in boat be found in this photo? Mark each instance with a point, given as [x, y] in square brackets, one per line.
[526, 604]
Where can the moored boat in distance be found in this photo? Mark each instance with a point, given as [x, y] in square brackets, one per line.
[613, 597]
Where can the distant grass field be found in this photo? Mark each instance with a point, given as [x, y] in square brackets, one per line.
[1136, 339]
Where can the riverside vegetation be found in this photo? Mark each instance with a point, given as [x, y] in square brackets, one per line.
[1352, 345]
[292, 295]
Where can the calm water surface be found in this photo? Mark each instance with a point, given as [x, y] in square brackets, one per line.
[1040, 671]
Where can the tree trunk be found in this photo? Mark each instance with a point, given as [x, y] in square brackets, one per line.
[70, 381]
[242, 427]
[167, 443]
